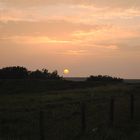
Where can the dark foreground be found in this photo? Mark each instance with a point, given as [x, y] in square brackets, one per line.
[33, 110]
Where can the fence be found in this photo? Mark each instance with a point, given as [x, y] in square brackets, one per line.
[67, 120]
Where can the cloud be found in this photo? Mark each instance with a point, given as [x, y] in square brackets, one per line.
[53, 29]
[34, 40]
[99, 37]
[106, 34]
[110, 3]
[76, 52]
[67, 12]
[81, 22]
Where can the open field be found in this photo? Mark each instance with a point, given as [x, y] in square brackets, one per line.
[30, 110]
[84, 79]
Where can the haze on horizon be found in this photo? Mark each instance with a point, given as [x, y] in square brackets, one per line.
[85, 36]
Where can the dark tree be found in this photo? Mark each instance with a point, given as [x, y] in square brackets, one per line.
[46, 73]
[54, 75]
[15, 72]
[104, 78]
[37, 75]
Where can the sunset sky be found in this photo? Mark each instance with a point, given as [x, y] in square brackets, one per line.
[88, 37]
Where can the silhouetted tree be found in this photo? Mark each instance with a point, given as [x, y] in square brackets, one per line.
[15, 72]
[37, 75]
[105, 78]
[54, 75]
[46, 73]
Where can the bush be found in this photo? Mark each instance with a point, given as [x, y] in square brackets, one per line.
[105, 78]
[14, 73]
[17, 72]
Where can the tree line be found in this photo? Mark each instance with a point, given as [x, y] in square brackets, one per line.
[18, 72]
[104, 78]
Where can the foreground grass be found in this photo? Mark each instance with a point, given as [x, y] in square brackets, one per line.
[20, 113]
[35, 100]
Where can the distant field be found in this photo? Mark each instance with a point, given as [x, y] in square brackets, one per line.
[132, 80]
[84, 79]
[76, 78]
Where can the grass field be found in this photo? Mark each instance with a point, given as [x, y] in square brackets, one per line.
[41, 110]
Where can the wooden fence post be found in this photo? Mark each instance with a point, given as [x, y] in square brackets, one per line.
[83, 116]
[112, 107]
[132, 106]
[41, 125]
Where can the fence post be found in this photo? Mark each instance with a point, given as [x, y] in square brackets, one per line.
[132, 106]
[41, 125]
[112, 107]
[83, 116]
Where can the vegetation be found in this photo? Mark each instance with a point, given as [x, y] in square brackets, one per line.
[32, 97]
[14, 73]
[20, 113]
[105, 78]
[18, 80]
[17, 72]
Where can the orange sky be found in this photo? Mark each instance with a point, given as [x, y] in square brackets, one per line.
[87, 37]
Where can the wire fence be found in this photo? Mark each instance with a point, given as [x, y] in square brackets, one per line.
[68, 120]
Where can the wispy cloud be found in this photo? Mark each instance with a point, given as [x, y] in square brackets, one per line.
[34, 40]
[68, 12]
[112, 3]
[112, 34]
[76, 52]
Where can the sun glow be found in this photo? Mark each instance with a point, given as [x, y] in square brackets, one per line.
[66, 71]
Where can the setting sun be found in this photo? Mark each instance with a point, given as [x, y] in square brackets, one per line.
[66, 71]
